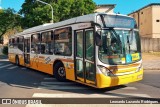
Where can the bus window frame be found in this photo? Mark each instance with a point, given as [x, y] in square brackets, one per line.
[52, 41]
[69, 28]
[39, 41]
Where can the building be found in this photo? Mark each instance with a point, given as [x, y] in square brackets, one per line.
[148, 20]
[106, 8]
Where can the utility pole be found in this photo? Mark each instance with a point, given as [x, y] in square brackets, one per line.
[49, 5]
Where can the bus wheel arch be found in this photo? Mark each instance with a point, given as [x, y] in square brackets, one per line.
[59, 70]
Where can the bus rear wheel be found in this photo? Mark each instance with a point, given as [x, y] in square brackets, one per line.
[59, 72]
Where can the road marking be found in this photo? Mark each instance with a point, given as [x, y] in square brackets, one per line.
[23, 68]
[12, 67]
[56, 83]
[61, 87]
[129, 88]
[15, 85]
[71, 95]
[4, 60]
[6, 65]
[49, 79]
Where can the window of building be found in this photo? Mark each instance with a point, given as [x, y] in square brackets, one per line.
[157, 20]
[141, 12]
[47, 43]
[35, 44]
[63, 41]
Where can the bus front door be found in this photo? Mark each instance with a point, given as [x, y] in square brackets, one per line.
[85, 56]
[27, 51]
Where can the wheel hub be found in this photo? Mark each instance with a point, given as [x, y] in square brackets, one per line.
[61, 71]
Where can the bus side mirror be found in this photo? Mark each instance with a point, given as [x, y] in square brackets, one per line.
[98, 39]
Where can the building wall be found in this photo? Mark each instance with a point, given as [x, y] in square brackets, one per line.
[156, 21]
[146, 19]
[145, 22]
[104, 9]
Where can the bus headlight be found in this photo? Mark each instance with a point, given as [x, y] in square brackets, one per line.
[105, 71]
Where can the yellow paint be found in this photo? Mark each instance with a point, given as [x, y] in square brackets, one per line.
[102, 80]
[70, 74]
[81, 79]
[11, 57]
[123, 70]
[38, 64]
[135, 56]
[123, 60]
[90, 82]
[106, 81]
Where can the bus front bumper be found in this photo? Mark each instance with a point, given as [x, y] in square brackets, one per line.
[106, 81]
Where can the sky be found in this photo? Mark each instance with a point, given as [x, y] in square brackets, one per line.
[122, 6]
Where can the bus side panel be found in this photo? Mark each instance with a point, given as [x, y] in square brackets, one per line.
[21, 59]
[40, 65]
[34, 63]
[69, 68]
[11, 57]
[45, 67]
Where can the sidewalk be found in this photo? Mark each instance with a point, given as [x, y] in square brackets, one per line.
[151, 61]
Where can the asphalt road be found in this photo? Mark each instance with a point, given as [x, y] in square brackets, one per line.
[21, 82]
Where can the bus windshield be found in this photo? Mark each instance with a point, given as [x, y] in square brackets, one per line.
[119, 47]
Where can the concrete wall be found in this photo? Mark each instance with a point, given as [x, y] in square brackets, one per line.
[150, 44]
[145, 22]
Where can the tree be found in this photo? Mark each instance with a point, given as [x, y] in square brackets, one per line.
[36, 13]
[8, 20]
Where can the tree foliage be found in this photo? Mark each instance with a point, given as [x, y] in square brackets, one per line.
[36, 13]
[8, 20]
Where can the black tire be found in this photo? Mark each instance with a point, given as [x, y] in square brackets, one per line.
[17, 61]
[59, 72]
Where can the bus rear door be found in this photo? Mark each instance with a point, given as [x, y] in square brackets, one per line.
[27, 51]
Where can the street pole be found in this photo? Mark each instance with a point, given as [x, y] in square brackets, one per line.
[49, 5]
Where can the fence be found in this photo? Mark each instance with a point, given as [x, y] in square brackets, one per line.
[150, 44]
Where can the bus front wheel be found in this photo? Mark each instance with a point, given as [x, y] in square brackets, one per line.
[59, 72]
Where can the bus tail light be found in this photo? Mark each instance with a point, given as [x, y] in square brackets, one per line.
[105, 71]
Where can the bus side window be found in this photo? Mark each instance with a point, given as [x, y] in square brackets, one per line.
[63, 41]
[46, 43]
[35, 43]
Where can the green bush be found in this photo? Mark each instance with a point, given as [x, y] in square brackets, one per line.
[5, 50]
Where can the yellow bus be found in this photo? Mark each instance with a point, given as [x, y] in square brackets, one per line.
[100, 50]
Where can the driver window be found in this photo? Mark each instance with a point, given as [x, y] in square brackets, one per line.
[110, 43]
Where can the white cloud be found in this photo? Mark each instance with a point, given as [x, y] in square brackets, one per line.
[0, 7]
